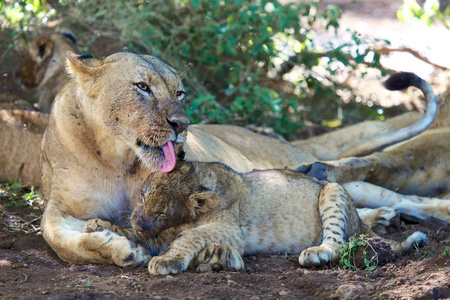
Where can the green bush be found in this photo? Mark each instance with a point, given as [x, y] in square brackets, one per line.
[243, 61]
[429, 12]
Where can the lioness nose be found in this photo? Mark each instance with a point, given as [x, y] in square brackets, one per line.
[179, 124]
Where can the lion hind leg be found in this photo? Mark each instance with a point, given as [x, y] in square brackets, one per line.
[417, 239]
[339, 221]
[381, 220]
[371, 196]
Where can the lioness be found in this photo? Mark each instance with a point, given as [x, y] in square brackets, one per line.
[329, 146]
[270, 211]
[417, 170]
[110, 127]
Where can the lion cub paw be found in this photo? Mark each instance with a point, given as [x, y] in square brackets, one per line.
[223, 256]
[94, 225]
[315, 256]
[164, 265]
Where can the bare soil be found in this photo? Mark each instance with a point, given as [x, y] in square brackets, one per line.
[30, 269]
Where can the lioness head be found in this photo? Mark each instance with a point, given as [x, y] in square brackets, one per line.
[133, 100]
[173, 199]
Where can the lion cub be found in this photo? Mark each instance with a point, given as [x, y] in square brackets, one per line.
[212, 214]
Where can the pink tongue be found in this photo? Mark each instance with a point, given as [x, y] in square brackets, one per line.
[169, 158]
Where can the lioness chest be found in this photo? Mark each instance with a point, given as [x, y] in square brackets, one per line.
[281, 212]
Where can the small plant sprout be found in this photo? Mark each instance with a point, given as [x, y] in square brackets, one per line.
[348, 254]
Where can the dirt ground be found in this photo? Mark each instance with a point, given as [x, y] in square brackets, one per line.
[30, 269]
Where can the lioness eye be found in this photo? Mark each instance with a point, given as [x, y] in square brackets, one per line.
[180, 95]
[143, 86]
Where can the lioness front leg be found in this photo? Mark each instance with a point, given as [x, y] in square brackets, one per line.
[191, 242]
[339, 221]
[65, 235]
[94, 225]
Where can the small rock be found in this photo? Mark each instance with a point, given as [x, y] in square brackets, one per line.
[306, 272]
[380, 273]
[349, 291]
[170, 278]
[5, 263]
[203, 268]
[370, 288]
[283, 293]
[421, 270]
[231, 282]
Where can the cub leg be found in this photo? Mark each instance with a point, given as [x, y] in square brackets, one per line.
[223, 256]
[191, 242]
[65, 235]
[340, 221]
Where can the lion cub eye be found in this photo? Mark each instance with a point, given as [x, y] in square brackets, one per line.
[180, 95]
[143, 86]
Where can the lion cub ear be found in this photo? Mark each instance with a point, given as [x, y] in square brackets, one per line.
[204, 201]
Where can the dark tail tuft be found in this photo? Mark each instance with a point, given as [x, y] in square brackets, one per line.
[400, 81]
[68, 34]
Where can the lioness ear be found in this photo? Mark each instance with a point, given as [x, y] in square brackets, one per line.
[41, 48]
[83, 67]
[204, 201]
[82, 64]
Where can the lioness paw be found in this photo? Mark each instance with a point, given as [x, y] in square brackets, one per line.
[226, 257]
[381, 220]
[94, 225]
[317, 170]
[164, 265]
[114, 248]
[315, 256]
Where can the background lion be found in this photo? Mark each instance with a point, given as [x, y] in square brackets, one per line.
[43, 66]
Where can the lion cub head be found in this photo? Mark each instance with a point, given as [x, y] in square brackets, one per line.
[174, 199]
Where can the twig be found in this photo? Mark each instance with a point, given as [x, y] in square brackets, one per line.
[387, 51]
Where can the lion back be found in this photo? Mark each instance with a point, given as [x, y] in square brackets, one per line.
[21, 133]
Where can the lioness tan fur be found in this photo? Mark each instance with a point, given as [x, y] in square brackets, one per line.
[43, 68]
[97, 150]
[102, 141]
[268, 211]
[417, 170]
[21, 133]
[329, 146]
